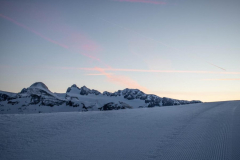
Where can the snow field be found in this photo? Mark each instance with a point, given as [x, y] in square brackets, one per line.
[195, 131]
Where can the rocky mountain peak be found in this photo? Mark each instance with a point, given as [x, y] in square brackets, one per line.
[84, 88]
[39, 85]
[82, 91]
[74, 86]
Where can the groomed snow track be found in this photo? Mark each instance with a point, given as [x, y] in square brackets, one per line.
[197, 131]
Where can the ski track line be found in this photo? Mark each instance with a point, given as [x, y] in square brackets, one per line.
[211, 141]
[236, 133]
[170, 139]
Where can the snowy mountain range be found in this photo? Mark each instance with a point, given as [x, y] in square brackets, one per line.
[38, 98]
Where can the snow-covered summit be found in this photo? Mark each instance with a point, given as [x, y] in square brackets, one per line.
[31, 100]
[74, 89]
[151, 99]
[37, 88]
[38, 93]
[39, 85]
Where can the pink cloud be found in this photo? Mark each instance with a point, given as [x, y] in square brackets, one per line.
[75, 42]
[53, 28]
[157, 71]
[98, 74]
[80, 43]
[148, 71]
[33, 31]
[122, 80]
[143, 1]
[145, 70]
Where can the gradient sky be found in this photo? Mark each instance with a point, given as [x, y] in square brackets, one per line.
[181, 49]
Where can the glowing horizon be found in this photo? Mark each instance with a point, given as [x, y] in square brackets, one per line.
[153, 45]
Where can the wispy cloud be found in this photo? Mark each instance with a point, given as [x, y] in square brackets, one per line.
[75, 42]
[122, 80]
[149, 71]
[97, 74]
[53, 29]
[143, 1]
[32, 30]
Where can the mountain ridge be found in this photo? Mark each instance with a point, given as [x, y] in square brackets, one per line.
[84, 99]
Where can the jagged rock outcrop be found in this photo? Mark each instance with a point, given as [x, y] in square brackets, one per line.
[72, 104]
[150, 99]
[41, 95]
[81, 99]
[82, 91]
[107, 93]
[131, 94]
[6, 96]
[115, 106]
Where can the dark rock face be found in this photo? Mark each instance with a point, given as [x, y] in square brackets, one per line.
[167, 102]
[95, 92]
[12, 102]
[69, 103]
[109, 106]
[157, 101]
[74, 85]
[7, 97]
[143, 97]
[24, 90]
[83, 90]
[51, 102]
[124, 105]
[182, 102]
[115, 94]
[153, 101]
[129, 97]
[115, 106]
[150, 99]
[39, 94]
[84, 107]
[4, 97]
[112, 106]
[131, 94]
[69, 89]
[41, 97]
[72, 104]
[151, 104]
[195, 101]
[35, 99]
[107, 93]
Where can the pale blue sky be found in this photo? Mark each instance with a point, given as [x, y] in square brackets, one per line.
[74, 42]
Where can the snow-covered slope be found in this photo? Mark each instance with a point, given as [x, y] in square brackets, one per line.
[38, 99]
[204, 131]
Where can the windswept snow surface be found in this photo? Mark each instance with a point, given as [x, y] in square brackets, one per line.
[195, 131]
